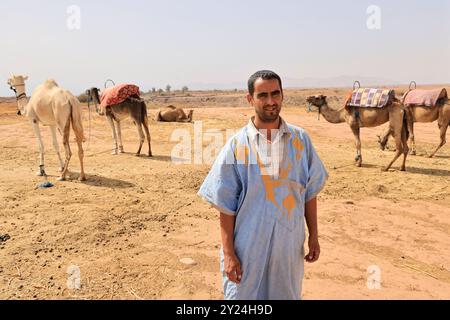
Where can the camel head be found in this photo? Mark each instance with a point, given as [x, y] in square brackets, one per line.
[94, 96]
[191, 112]
[17, 84]
[317, 100]
[382, 142]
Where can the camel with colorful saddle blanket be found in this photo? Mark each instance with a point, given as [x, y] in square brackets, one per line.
[118, 103]
[367, 107]
[424, 106]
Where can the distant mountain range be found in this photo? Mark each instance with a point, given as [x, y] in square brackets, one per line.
[341, 81]
[309, 82]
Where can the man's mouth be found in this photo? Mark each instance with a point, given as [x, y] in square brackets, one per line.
[271, 109]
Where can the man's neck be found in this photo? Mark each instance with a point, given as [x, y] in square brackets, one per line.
[267, 126]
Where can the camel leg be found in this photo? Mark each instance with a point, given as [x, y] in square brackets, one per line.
[443, 133]
[358, 157]
[111, 123]
[398, 152]
[119, 135]
[399, 148]
[80, 156]
[37, 132]
[147, 133]
[410, 124]
[405, 146]
[56, 147]
[141, 136]
[66, 135]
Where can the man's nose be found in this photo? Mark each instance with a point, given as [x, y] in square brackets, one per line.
[271, 101]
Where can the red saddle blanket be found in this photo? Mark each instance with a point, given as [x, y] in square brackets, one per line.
[118, 94]
[427, 98]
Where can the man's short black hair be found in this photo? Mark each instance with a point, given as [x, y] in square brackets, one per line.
[265, 75]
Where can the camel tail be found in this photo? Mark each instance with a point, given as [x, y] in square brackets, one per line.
[144, 113]
[405, 126]
[77, 121]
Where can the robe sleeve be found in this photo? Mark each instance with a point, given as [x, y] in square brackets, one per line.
[222, 186]
[317, 174]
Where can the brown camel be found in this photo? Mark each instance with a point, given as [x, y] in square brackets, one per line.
[173, 114]
[132, 107]
[421, 113]
[54, 107]
[357, 118]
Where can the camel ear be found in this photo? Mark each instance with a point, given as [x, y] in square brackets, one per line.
[324, 97]
[25, 78]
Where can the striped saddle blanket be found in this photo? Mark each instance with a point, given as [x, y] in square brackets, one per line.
[117, 94]
[427, 98]
[370, 98]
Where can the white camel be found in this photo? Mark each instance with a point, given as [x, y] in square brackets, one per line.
[54, 107]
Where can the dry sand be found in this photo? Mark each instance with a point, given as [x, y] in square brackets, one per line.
[130, 224]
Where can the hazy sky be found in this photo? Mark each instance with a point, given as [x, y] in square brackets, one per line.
[202, 43]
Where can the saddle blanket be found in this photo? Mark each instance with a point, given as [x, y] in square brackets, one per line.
[427, 98]
[370, 97]
[118, 94]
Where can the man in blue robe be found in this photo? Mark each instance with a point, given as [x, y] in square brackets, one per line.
[264, 183]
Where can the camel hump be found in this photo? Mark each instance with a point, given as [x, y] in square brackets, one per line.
[50, 83]
[135, 99]
[171, 107]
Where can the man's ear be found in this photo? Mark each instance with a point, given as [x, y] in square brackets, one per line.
[249, 98]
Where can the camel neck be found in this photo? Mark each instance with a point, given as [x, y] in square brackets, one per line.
[332, 116]
[22, 101]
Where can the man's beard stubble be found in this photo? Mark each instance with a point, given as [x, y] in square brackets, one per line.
[268, 116]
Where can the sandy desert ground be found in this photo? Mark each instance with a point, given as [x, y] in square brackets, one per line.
[129, 225]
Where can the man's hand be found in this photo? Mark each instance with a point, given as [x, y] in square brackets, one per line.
[314, 249]
[233, 268]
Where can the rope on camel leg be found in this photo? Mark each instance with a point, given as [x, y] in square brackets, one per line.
[347, 165]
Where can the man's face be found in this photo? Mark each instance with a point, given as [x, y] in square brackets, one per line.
[266, 99]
